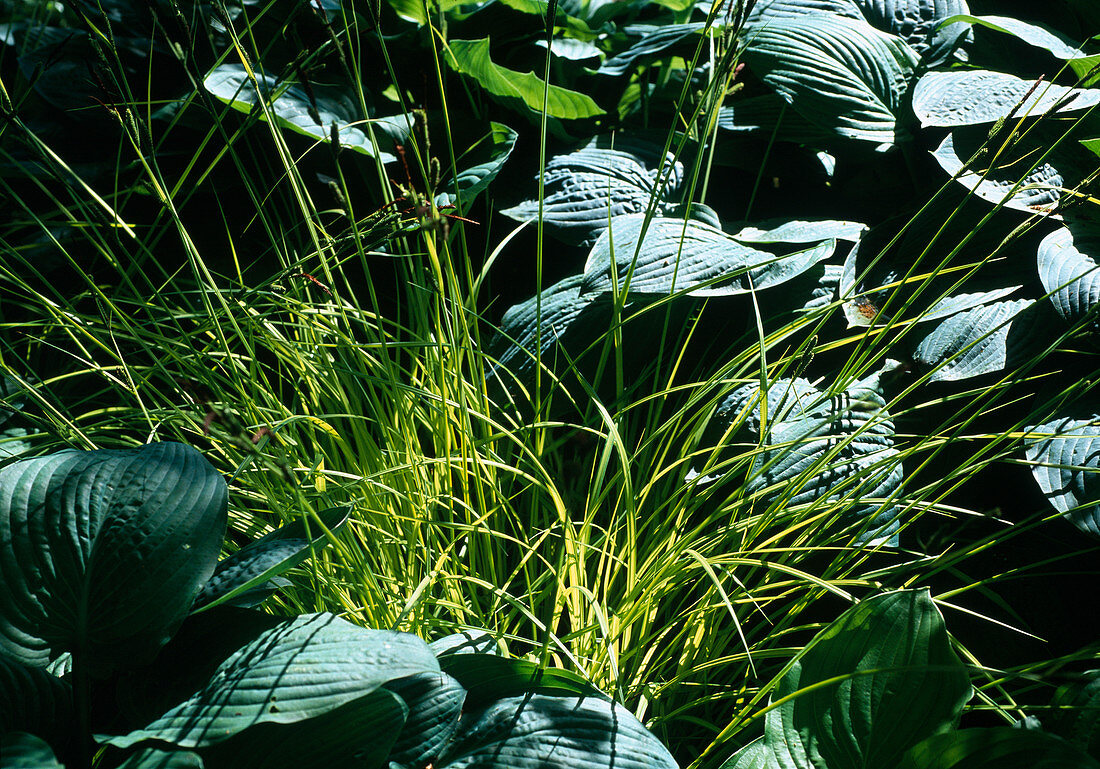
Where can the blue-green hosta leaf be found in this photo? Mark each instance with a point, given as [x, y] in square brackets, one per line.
[485, 161]
[1070, 276]
[974, 97]
[554, 733]
[839, 73]
[434, 703]
[522, 91]
[655, 41]
[801, 231]
[104, 551]
[295, 109]
[268, 557]
[768, 11]
[34, 700]
[755, 755]
[978, 341]
[874, 683]
[1032, 33]
[918, 22]
[301, 669]
[585, 189]
[531, 330]
[835, 450]
[690, 256]
[998, 748]
[1066, 457]
[1013, 183]
[19, 750]
[360, 732]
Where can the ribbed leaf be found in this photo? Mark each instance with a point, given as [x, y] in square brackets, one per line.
[466, 642]
[1066, 463]
[998, 748]
[1072, 278]
[267, 557]
[300, 669]
[311, 113]
[541, 732]
[871, 685]
[980, 341]
[834, 450]
[151, 758]
[1038, 35]
[359, 733]
[677, 256]
[918, 22]
[33, 700]
[434, 702]
[522, 91]
[755, 755]
[104, 551]
[973, 97]
[585, 189]
[481, 164]
[839, 73]
[19, 750]
[800, 231]
[655, 41]
[1013, 182]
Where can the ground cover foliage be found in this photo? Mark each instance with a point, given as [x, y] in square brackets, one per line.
[731, 367]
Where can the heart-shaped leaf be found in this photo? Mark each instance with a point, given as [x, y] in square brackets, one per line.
[839, 73]
[1065, 457]
[678, 256]
[300, 669]
[269, 556]
[104, 551]
[874, 683]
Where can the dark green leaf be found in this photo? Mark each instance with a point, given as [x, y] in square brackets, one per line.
[434, 703]
[655, 40]
[19, 750]
[522, 91]
[104, 551]
[487, 158]
[874, 683]
[998, 748]
[1075, 713]
[490, 677]
[152, 758]
[35, 701]
[269, 556]
[300, 669]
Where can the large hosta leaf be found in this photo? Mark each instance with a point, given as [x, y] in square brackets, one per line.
[1071, 277]
[312, 113]
[434, 702]
[769, 115]
[1024, 176]
[998, 748]
[33, 700]
[1038, 35]
[839, 73]
[919, 23]
[880, 679]
[300, 669]
[554, 733]
[558, 316]
[973, 97]
[585, 189]
[982, 340]
[688, 256]
[480, 166]
[655, 40]
[1066, 463]
[817, 448]
[269, 556]
[522, 91]
[104, 551]
[19, 750]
